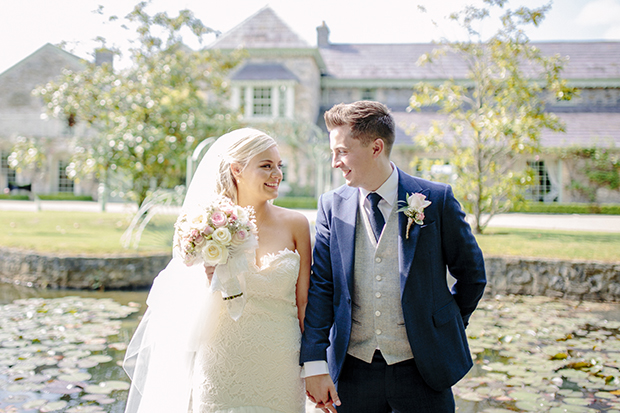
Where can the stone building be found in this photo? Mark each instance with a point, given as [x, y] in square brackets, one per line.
[21, 116]
[285, 85]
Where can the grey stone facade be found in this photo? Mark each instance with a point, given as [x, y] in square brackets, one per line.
[326, 74]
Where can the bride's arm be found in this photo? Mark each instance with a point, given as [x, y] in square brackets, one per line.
[301, 233]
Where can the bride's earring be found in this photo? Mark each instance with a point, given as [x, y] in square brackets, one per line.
[236, 173]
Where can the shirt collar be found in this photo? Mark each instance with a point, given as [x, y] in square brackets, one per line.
[389, 189]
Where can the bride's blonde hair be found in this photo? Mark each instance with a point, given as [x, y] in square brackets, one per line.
[245, 144]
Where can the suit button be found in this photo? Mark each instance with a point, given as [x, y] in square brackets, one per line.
[377, 313]
[378, 259]
[378, 294]
[378, 278]
[378, 332]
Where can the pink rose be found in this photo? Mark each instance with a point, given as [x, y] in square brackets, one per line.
[208, 230]
[240, 236]
[219, 219]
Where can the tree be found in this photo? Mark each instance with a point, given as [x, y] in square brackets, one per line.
[497, 114]
[144, 121]
[600, 166]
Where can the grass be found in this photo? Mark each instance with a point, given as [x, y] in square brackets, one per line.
[567, 245]
[100, 233]
[80, 232]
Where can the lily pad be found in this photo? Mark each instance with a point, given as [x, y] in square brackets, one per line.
[53, 406]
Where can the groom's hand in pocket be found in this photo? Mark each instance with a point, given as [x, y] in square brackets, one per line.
[321, 390]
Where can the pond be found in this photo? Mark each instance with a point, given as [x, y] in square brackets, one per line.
[61, 351]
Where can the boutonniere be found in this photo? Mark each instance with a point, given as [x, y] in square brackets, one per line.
[414, 209]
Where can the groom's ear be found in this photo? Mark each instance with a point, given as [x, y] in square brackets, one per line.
[378, 146]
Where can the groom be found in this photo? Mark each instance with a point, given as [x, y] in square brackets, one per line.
[381, 322]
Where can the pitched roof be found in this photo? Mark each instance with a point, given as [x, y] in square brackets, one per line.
[587, 60]
[264, 71]
[582, 129]
[47, 51]
[263, 30]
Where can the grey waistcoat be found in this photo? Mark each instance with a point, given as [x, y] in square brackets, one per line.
[377, 311]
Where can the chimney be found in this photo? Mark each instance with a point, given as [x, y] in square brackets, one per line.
[104, 56]
[322, 35]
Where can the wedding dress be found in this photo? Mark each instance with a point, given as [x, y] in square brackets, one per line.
[193, 351]
[252, 365]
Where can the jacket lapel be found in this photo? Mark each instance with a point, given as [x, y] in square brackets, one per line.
[406, 246]
[345, 214]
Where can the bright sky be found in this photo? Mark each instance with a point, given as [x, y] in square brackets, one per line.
[26, 25]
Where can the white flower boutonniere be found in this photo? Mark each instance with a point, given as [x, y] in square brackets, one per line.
[414, 209]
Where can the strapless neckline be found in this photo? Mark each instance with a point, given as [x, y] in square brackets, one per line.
[267, 259]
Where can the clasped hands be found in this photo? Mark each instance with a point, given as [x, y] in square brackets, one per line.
[321, 391]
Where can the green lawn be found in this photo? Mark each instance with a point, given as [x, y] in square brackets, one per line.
[100, 233]
[80, 232]
[571, 245]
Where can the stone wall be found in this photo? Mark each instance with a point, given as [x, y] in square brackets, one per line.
[81, 272]
[592, 281]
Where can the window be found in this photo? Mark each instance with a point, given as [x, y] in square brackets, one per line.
[65, 184]
[542, 184]
[264, 100]
[368, 94]
[436, 170]
[6, 171]
[261, 101]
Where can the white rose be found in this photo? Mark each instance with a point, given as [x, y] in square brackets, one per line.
[214, 253]
[417, 202]
[222, 235]
[242, 214]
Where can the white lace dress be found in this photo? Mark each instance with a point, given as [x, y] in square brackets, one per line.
[252, 365]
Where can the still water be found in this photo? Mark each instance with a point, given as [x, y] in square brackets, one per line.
[67, 357]
[532, 354]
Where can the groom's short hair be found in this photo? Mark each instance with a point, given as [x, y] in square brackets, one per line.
[367, 119]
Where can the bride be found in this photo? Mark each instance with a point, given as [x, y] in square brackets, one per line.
[188, 353]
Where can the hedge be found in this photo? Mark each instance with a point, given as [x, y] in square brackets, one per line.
[14, 197]
[569, 208]
[64, 197]
[296, 202]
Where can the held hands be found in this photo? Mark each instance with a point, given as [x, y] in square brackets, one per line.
[321, 390]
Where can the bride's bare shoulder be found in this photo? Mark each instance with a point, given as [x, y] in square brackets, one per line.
[290, 216]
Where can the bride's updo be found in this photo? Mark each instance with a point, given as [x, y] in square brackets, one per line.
[244, 144]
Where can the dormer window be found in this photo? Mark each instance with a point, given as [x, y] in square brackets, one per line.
[264, 91]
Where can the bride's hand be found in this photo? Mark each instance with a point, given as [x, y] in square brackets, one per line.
[209, 270]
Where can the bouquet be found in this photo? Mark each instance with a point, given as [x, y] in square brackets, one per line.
[212, 234]
[221, 235]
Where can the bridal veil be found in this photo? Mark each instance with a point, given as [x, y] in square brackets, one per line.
[181, 310]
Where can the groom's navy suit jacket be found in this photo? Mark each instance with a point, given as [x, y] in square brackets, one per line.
[435, 316]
